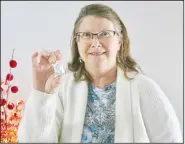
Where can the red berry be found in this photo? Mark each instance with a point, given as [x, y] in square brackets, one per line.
[10, 106]
[15, 114]
[2, 101]
[13, 63]
[14, 89]
[9, 77]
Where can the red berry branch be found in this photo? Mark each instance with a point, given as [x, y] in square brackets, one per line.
[10, 111]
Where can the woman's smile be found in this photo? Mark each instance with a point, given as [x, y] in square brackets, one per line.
[97, 53]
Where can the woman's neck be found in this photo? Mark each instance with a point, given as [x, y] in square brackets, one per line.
[101, 80]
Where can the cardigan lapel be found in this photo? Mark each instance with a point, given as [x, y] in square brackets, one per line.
[80, 103]
[124, 120]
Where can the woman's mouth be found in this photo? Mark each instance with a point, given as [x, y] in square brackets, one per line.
[97, 53]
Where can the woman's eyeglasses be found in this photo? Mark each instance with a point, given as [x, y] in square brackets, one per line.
[86, 36]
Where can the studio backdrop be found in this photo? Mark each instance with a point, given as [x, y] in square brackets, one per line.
[155, 30]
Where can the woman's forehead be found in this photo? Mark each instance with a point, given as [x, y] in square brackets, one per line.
[95, 24]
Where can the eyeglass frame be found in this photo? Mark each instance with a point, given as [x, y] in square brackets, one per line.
[92, 34]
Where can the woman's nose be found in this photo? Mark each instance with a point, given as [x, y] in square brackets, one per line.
[95, 43]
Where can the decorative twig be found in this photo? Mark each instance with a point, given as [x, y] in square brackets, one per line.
[11, 119]
[8, 93]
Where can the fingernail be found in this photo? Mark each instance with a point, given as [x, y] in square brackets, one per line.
[57, 52]
[57, 77]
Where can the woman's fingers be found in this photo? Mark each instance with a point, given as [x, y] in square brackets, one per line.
[57, 81]
[34, 58]
[59, 56]
[44, 72]
[44, 54]
[34, 55]
[52, 83]
[46, 58]
[52, 58]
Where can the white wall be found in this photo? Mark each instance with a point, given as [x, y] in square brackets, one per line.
[155, 30]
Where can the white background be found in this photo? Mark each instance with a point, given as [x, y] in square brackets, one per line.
[155, 30]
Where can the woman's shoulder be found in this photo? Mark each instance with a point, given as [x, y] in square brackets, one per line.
[157, 109]
[142, 78]
[146, 83]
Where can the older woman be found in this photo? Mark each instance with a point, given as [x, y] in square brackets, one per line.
[103, 98]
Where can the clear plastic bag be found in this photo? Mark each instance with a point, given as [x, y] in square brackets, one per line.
[59, 68]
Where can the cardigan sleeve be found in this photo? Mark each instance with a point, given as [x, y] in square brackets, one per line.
[160, 119]
[42, 119]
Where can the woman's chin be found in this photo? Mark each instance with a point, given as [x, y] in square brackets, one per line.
[97, 65]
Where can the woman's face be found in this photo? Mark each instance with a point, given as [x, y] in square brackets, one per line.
[98, 53]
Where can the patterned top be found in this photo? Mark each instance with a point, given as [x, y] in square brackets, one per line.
[99, 123]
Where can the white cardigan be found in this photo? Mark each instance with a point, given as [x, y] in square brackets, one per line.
[143, 113]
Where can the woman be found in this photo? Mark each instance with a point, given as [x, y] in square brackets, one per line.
[103, 98]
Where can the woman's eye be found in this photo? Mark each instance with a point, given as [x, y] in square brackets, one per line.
[86, 35]
[104, 34]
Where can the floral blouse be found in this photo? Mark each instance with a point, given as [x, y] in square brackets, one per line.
[99, 123]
